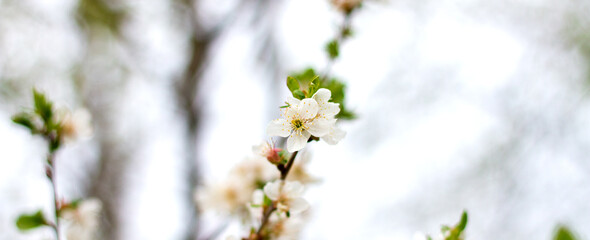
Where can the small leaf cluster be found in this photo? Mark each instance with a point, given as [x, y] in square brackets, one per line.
[31, 221]
[305, 84]
[41, 120]
[455, 232]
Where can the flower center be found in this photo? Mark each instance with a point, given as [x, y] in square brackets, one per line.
[297, 124]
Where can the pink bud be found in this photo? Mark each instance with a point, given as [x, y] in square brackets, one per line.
[273, 155]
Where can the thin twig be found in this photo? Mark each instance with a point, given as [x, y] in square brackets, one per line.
[265, 218]
[284, 169]
[287, 168]
[340, 37]
[51, 176]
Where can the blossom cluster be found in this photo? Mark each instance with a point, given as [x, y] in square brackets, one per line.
[260, 190]
[302, 119]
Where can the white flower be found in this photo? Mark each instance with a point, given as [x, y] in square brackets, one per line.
[288, 229]
[335, 134]
[326, 109]
[74, 125]
[226, 197]
[287, 195]
[234, 194]
[304, 118]
[83, 221]
[255, 207]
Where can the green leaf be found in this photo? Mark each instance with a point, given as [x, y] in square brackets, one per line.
[345, 114]
[332, 48]
[463, 223]
[314, 85]
[563, 233]
[27, 222]
[42, 107]
[25, 120]
[338, 96]
[292, 83]
[298, 94]
[305, 76]
[455, 232]
[288, 214]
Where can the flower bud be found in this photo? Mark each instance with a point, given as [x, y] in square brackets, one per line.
[273, 155]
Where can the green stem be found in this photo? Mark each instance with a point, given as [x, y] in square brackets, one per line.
[51, 176]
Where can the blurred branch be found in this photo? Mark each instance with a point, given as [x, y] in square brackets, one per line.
[107, 184]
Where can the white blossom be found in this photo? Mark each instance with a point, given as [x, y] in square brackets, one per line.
[74, 125]
[304, 118]
[335, 134]
[234, 194]
[82, 222]
[225, 197]
[287, 194]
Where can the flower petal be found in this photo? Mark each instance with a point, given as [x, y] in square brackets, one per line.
[329, 110]
[322, 96]
[320, 126]
[307, 109]
[258, 197]
[297, 141]
[334, 136]
[273, 189]
[298, 205]
[292, 101]
[292, 189]
[279, 127]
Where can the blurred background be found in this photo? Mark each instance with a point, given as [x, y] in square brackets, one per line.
[462, 104]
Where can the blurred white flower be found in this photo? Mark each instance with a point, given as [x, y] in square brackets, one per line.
[74, 125]
[287, 195]
[289, 229]
[346, 5]
[226, 197]
[82, 222]
[234, 194]
[299, 170]
[304, 118]
[335, 134]
[256, 205]
[232, 237]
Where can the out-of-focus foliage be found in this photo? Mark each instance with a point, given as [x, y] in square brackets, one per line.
[332, 48]
[41, 120]
[31, 221]
[563, 233]
[456, 232]
[98, 12]
[305, 83]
